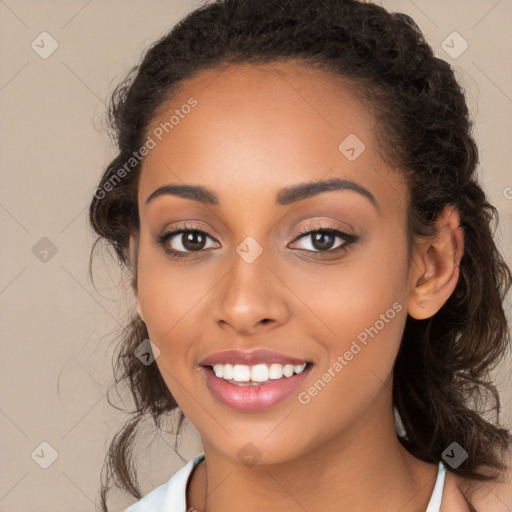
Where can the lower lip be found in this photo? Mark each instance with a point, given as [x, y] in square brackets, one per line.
[253, 398]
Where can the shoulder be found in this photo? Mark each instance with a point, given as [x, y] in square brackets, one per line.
[170, 496]
[492, 496]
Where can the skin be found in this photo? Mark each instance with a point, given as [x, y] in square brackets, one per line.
[254, 131]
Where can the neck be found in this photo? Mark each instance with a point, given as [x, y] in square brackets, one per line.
[360, 467]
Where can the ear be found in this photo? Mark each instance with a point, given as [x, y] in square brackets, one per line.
[435, 272]
[133, 251]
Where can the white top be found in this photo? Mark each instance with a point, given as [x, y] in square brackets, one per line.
[171, 496]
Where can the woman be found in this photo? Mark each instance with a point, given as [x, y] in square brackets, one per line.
[312, 258]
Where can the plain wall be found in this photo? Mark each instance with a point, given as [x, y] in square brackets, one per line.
[58, 331]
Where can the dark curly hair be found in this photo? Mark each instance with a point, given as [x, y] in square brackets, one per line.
[423, 131]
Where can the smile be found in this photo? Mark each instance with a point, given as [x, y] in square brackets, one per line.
[254, 388]
[259, 373]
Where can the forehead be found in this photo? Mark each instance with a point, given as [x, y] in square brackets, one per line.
[260, 126]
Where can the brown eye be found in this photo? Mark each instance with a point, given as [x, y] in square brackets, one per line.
[193, 240]
[184, 241]
[324, 239]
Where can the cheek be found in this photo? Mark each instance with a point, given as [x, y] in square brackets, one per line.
[175, 301]
[342, 300]
[357, 312]
[361, 317]
[168, 305]
[166, 292]
[167, 299]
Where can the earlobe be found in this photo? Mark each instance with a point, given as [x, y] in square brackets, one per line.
[437, 271]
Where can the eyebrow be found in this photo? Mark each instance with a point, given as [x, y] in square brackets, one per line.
[285, 196]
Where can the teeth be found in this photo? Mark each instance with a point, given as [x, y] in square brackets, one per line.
[288, 370]
[259, 373]
[241, 373]
[227, 372]
[256, 373]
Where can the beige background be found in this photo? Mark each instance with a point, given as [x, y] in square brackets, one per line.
[58, 332]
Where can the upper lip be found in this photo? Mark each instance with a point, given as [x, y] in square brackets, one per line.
[250, 358]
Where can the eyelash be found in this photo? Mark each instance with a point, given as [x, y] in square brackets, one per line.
[307, 230]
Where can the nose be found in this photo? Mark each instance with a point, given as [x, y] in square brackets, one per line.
[252, 298]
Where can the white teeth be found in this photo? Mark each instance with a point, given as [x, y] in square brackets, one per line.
[288, 370]
[299, 368]
[276, 371]
[218, 370]
[257, 373]
[228, 371]
[241, 373]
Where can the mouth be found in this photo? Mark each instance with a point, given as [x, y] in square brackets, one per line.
[251, 388]
[256, 375]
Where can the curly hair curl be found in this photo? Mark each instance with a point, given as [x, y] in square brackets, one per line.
[424, 131]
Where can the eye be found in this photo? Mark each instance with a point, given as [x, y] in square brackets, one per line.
[321, 239]
[184, 241]
[187, 241]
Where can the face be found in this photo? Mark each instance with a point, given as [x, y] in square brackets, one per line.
[257, 269]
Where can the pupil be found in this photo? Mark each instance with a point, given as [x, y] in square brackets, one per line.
[319, 241]
[193, 241]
